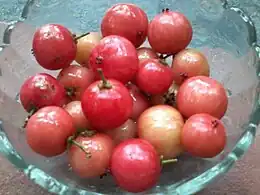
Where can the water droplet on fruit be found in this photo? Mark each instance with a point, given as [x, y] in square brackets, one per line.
[229, 92]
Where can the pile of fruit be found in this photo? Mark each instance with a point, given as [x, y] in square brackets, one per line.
[119, 108]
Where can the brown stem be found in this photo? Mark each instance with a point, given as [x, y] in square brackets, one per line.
[166, 56]
[31, 112]
[107, 172]
[80, 36]
[105, 84]
[165, 10]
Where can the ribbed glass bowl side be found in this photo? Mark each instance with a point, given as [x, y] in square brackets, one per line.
[184, 187]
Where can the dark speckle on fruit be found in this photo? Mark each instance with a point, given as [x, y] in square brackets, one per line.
[184, 75]
[52, 87]
[99, 59]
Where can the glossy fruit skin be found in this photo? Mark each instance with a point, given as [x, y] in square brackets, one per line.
[202, 94]
[107, 108]
[140, 101]
[189, 63]
[169, 32]
[146, 53]
[120, 64]
[135, 165]
[100, 147]
[126, 131]
[85, 46]
[126, 20]
[203, 136]
[54, 47]
[42, 90]
[161, 126]
[153, 77]
[77, 78]
[79, 120]
[48, 129]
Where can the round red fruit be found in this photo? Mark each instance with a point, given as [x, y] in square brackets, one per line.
[76, 80]
[54, 47]
[42, 90]
[203, 136]
[90, 156]
[48, 129]
[126, 131]
[189, 63]
[161, 126]
[153, 77]
[169, 32]
[135, 165]
[140, 101]
[107, 104]
[146, 53]
[201, 94]
[75, 110]
[117, 57]
[126, 20]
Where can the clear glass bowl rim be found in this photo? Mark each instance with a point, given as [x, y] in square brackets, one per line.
[183, 187]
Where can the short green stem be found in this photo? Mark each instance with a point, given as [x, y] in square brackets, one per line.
[71, 141]
[105, 84]
[169, 161]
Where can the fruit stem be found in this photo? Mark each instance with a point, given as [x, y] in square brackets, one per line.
[72, 141]
[165, 10]
[31, 112]
[106, 173]
[169, 161]
[166, 56]
[105, 84]
[71, 92]
[80, 36]
[87, 133]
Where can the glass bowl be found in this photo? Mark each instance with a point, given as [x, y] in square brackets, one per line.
[224, 33]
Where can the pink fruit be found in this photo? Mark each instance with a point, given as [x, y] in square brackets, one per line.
[117, 57]
[169, 32]
[126, 20]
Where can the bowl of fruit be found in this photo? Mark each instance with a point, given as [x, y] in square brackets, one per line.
[111, 97]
